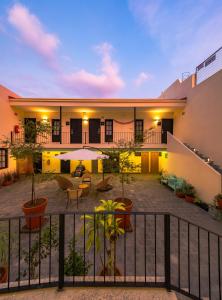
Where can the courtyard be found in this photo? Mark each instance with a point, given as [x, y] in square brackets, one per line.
[140, 254]
[147, 194]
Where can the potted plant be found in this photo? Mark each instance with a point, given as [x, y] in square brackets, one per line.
[103, 225]
[7, 179]
[40, 249]
[29, 148]
[201, 204]
[3, 257]
[189, 193]
[218, 201]
[74, 263]
[15, 176]
[180, 192]
[126, 166]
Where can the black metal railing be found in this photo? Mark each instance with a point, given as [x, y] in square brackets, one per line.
[150, 137]
[156, 250]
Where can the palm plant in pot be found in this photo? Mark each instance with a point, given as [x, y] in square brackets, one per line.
[3, 257]
[127, 166]
[101, 228]
[189, 193]
[29, 149]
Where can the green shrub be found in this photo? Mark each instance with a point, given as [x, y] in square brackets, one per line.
[74, 262]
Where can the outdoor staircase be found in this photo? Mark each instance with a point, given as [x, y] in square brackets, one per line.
[205, 158]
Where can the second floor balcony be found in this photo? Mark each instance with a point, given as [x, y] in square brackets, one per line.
[73, 139]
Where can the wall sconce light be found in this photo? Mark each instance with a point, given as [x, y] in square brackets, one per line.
[44, 119]
[157, 121]
[85, 118]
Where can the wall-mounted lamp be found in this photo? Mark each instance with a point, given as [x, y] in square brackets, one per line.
[157, 121]
[85, 118]
[44, 119]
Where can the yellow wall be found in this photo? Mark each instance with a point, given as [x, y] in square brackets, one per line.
[134, 159]
[163, 161]
[52, 165]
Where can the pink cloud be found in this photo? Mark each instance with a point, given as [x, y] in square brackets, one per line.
[32, 32]
[82, 83]
[142, 78]
[107, 83]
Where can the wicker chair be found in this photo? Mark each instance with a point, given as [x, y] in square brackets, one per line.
[73, 195]
[86, 178]
[64, 183]
[104, 185]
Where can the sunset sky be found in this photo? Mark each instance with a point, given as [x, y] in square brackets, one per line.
[100, 48]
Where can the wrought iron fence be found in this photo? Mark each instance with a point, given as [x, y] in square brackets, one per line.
[150, 137]
[70, 249]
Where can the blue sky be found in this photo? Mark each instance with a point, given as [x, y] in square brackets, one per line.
[98, 48]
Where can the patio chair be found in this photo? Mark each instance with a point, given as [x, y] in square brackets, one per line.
[64, 183]
[103, 185]
[73, 195]
[86, 178]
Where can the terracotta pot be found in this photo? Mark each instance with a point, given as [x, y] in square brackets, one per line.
[33, 221]
[189, 199]
[105, 272]
[6, 183]
[125, 219]
[219, 203]
[180, 194]
[3, 274]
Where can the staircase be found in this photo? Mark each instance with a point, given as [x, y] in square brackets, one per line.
[205, 158]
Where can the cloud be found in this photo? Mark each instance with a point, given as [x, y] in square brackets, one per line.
[105, 84]
[142, 78]
[81, 82]
[187, 31]
[32, 32]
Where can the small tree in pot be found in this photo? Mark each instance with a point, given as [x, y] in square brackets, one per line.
[126, 166]
[104, 227]
[29, 148]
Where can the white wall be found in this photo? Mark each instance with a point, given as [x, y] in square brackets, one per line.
[184, 163]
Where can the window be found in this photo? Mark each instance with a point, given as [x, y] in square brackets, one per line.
[55, 130]
[3, 158]
[200, 67]
[139, 131]
[108, 131]
[210, 60]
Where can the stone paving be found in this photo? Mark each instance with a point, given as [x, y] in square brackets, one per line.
[148, 195]
[145, 191]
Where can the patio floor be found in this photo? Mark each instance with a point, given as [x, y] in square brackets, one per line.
[145, 191]
[148, 195]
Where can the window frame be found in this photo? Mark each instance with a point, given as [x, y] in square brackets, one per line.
[5, 161]
[109, 131]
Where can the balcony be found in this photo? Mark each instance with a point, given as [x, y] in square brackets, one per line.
[150, 139]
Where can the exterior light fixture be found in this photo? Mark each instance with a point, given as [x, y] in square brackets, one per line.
[44, 119]
[85, 118]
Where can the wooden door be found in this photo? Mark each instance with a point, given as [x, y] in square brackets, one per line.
[76, 131]
[94, 166]
[94, 131]
[56, 135]
[144, 162]
[167, 125]
[154, 163]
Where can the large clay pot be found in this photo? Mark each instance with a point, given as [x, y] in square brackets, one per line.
[106, 273]
[125, 218]
[219, 203]
[34, 214]
[189, 199]
[3, 274]
[180, 195]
